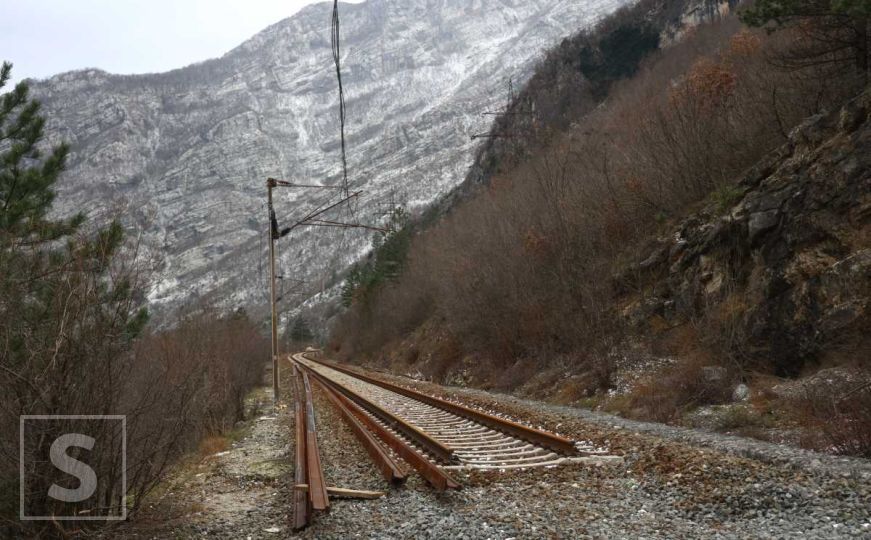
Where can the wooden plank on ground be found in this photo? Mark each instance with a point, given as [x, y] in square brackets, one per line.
[346, 493]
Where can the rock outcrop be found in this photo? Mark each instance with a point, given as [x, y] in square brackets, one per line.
[784, 274]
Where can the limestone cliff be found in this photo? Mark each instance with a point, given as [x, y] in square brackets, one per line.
[185, 154]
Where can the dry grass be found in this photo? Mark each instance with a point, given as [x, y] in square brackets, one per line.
[663, 396]
[743, 418]
[213, 444]
[837, 420]
[573, 391]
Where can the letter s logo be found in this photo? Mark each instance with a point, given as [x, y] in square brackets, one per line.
[86, 475]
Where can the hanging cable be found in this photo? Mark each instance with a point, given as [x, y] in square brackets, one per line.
[350, 209]
[338, 61]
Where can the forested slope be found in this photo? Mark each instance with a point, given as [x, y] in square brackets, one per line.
[613, 249]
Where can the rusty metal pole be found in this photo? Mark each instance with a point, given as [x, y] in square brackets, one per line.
[273, 235]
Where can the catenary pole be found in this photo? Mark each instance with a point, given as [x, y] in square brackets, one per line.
[273, 235]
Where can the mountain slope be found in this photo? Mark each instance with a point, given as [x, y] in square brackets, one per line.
[185, 154]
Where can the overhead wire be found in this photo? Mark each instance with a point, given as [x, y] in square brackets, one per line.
[337, 59]
[335, 42]
[347, 203]
[350, 210]
[320, 205]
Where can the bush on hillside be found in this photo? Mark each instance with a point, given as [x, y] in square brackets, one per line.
[74, 341]
[524, 268]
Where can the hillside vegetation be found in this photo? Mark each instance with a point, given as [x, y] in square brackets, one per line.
[651, 227]
[75, 339]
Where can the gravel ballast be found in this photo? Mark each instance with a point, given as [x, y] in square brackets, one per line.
[671, 483]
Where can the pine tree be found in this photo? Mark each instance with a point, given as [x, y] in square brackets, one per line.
[26, 179]
[351, 285]
[389, 251]
[300, 332]
[55, 280]
[69, 299]
[26, 195]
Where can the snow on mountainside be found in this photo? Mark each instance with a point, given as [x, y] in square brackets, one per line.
[186, 153]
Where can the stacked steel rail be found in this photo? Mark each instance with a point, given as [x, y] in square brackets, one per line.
[395, 424]
[407, 442]
[310, 493]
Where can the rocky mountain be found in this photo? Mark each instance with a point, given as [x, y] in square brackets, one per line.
[184, 155]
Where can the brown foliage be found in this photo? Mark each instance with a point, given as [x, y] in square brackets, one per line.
[708, 85]
[664, 395]
[174, 387]
[213, 444]
[524, 268]
[837, 420]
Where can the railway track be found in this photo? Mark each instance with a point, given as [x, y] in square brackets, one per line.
[471, 443]
[401, 428]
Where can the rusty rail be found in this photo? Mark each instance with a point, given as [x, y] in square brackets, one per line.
[432, 446]
[430, 471]
[308, 471]
[300, 500]
[317, 487]
[535, 436]
[380, 456]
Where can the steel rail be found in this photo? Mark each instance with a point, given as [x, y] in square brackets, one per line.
[300, 499]
[380, 456]
[317, 487]
[308, 471]
[535, 436]
[430, 471]
[437, 449]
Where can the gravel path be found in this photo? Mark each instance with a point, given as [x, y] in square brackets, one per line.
[673, 483]
[236, 493]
